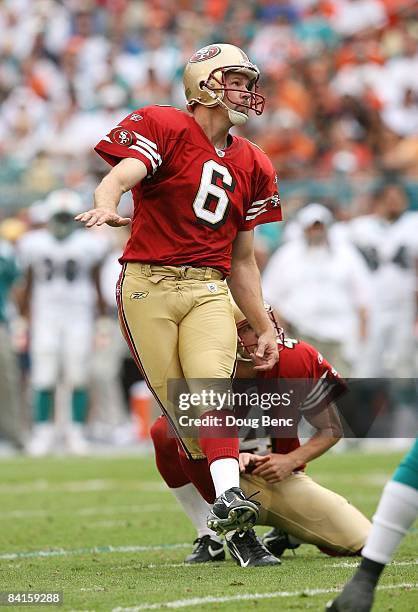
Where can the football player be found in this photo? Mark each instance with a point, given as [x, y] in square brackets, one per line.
[11, 400]
[274, 468]
[61, 264]
[387, 240]
[396, 512]
[198, 193]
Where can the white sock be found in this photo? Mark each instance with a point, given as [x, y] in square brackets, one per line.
[225, 474]
[196, 508]
[397, 510]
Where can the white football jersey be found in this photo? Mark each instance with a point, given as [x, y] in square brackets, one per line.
[61, 268]
[390, 250]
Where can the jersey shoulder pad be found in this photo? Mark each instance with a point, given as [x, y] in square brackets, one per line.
[295, 360]
[34, 245]
[168, 118]
[260, 158]
[33, 240]
[94, 245]
[364, 222]
[410, 216]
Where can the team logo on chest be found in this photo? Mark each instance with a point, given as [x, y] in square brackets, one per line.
[122, 136]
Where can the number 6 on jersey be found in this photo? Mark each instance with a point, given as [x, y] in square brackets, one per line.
[210, 191]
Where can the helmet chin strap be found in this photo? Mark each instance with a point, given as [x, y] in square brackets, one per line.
[235, 117]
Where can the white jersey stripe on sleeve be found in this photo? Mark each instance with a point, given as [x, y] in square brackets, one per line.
[312, 401]
[146, 141]
[321, 390]
[155, 155]
[146, 154]
[261, 210]
[256, 205]
[316, 390]
[305, 407]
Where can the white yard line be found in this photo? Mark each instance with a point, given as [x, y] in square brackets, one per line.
[39, 486]
[90, 511]
[199, 601]
[126, 509]
[122, 522]
[352, 564]
[97, 550]
[142, 566]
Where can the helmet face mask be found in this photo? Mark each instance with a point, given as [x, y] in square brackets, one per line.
[216, 82]
[205, 80]
[61, 207]
[62, 225]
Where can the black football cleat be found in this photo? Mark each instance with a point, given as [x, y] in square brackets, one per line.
[206, 550]
[357, 596]
[277, 541]
[248, 551]
[232, 511]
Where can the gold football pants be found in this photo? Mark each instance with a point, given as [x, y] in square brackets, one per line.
[179, 324]
[310, 512]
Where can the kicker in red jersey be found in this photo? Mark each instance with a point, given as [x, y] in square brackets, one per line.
[205, 195]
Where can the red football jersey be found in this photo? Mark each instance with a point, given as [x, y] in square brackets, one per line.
[195, 198]
[300, 362]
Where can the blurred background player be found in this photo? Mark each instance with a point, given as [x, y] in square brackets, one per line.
[61, 264]
[13, 425]
[387, 240]
[320, 286]
[111, 421]
[397, 510]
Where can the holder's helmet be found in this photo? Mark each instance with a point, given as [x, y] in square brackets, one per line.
[204, 79]
[247, 338]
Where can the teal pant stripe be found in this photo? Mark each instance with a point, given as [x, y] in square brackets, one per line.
[79, 405]
[43, 405]
[407, 472]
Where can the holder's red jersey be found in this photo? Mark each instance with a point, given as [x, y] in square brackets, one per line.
[301, 362]
[195, 198]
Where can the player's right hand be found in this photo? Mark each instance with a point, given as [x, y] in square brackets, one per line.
[100, 216]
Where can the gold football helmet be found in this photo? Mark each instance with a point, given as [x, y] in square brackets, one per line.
[204, 79]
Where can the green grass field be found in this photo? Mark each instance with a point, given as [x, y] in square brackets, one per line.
[107, 533]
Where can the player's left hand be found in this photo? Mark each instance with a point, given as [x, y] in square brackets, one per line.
[247, 461]
[274, 467]
[99, 216]
[267, 353]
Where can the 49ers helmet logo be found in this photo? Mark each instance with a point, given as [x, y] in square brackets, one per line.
[122, 136]
[205, 54]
